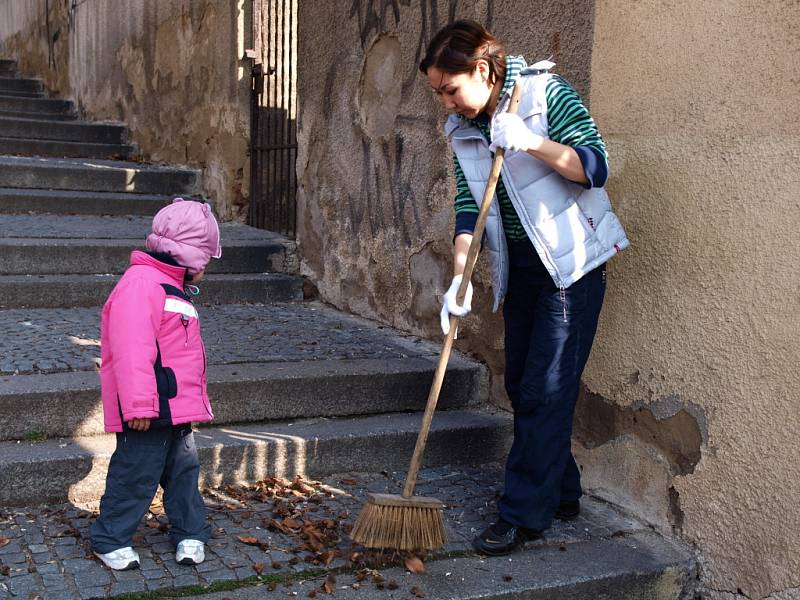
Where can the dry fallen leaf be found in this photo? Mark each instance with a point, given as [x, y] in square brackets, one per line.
[248, 539]
[330, 581]
[291, 524]
[415, 565]
[507, 578]
[69, 532]
[258, 567]
[4, 541]
[5, 570]
[417, 592]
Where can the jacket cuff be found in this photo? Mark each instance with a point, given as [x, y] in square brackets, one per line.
[139, 409]
[140, 414]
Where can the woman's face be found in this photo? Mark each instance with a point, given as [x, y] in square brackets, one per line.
[466, 94]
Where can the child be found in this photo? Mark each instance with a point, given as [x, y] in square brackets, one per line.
[153, 382]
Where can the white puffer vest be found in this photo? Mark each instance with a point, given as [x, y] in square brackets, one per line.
[572, 229]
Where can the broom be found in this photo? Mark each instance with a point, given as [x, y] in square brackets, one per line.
[406, 522]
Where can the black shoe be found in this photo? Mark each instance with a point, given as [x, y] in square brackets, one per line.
[568, 510]
[503, 538]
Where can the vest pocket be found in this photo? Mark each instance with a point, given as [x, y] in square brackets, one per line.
[565, 232]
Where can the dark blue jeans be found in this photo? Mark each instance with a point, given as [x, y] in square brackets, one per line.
[549, 334]
[142, 461]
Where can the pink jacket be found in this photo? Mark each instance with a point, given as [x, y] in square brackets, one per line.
[153, 359]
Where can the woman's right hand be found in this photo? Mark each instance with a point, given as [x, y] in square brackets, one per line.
[451, 307]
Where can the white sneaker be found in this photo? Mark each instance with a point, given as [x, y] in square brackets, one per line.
[120, 560]
[190, 552]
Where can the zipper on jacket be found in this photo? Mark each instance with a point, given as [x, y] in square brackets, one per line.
[562, 294]
[185, 323]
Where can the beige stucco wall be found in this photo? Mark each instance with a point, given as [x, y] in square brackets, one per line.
[170, 69]
[698, 104]
[375, 174]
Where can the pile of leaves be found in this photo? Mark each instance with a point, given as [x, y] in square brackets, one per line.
[309, 514]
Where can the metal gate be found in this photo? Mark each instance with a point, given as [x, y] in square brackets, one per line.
[273, 130]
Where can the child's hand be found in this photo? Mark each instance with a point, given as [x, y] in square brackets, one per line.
[139, 424]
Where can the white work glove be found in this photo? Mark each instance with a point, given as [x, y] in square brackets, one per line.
[450, 307]
[510, 132]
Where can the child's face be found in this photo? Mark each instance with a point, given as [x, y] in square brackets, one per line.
[197, 277]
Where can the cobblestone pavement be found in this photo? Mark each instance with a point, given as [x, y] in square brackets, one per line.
[53, 340]
[273, 529]
[104, 227]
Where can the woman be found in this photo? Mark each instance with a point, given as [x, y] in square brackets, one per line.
[548, 236]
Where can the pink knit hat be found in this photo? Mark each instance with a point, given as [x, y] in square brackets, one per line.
[188, 232]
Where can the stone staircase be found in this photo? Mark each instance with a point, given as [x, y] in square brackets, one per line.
[297, 387]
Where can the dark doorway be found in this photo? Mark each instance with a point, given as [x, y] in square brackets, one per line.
[273, 130]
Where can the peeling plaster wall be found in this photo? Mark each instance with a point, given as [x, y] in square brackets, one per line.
[38, 39]
[698, 104]
[170, 69]
[375, 175]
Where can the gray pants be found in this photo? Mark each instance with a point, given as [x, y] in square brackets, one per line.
[143, 460]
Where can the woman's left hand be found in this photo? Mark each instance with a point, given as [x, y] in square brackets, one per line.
[510, 132]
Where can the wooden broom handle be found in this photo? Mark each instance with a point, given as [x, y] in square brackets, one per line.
[447, 345]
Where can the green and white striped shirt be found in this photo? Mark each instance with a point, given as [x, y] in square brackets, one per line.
[569, 123]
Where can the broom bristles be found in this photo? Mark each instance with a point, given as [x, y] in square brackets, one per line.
[400, 527]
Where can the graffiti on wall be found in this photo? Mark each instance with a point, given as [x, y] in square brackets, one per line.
[395, 179]
[377, 16]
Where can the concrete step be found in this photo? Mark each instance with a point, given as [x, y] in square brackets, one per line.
[21, 200]
[37, 107]
[68, 404]
[38, 341]
[604, 554]
[8, 67]
[13, 85]
[67, 291]
[271, 362]
[59, 256]
[96, 175]
[62, 245]
[12, 94]
[67, 131]
[640, 565]
[42, 116]
[58, 149]
[74, 469]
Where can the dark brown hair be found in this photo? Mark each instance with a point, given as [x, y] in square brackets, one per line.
[458, 47]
